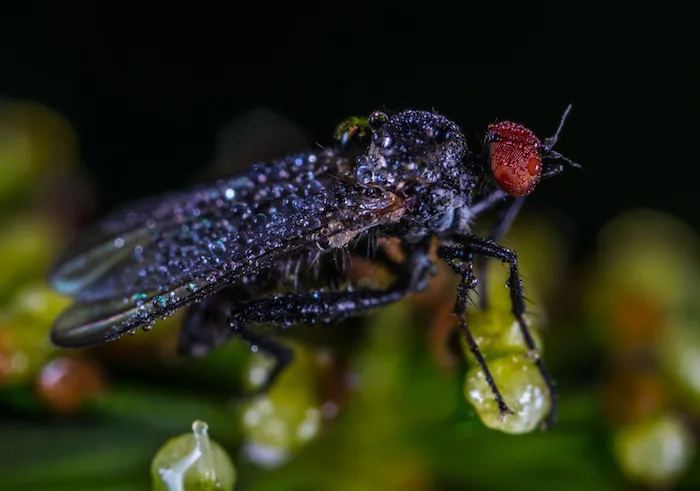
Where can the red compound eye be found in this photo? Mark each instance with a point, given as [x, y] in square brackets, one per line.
[514, 155]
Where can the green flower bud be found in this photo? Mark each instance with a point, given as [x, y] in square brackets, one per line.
[27, 247]
[300, 373]
[24, 342]
[522, 387]
[498, 333]
[654, 452]
[192, 462]
[33, 140]
[648, 252]
[679, 355]
[280, 422]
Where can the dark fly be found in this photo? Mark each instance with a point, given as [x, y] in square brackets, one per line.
[239, 250]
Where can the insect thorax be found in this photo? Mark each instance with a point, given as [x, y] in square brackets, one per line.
[423, 157]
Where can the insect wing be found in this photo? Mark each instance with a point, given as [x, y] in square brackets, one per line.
[190, 249]
[114, 239]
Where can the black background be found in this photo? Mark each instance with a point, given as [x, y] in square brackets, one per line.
[148, 90]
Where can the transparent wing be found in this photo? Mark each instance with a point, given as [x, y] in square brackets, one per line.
[138, 234]
[154, 258]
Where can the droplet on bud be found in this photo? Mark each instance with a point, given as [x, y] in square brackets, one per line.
[192, 462]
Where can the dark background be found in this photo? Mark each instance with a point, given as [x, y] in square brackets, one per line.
[148, 91]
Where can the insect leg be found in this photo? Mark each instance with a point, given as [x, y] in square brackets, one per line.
[303, 308]
[325, 307]
[471, 245]
[487, 202]
[282, 355]
[208, 325]
[461, 262]
[504, 223]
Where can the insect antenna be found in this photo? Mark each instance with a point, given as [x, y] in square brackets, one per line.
[548, 145]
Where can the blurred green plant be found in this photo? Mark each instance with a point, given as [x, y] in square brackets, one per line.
[34, 142]
[655, 451]
[387, 410]
[640, 301]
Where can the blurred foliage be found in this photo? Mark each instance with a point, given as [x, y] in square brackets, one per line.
[386, 402]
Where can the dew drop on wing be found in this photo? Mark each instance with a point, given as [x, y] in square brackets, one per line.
[313, 188]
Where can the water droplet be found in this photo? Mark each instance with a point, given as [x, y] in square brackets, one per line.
[217, 246]
[334, 226]
[376, 119]
[362, 160]
[160, 302]
[429, 175]
[313, 188]
[138, 298]
[260, 219]
[364, 175]
[261, 195]
[313, 222]
[386, 142]
[199, 428]
[323, 244]
[292, 201]
[255, 251]
[230, 193]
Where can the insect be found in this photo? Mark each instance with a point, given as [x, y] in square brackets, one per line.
[261, 246]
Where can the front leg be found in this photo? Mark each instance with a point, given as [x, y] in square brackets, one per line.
[463, 266]
[464, 250]
[505, 220]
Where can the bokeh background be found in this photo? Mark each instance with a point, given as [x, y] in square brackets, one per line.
[101, 106]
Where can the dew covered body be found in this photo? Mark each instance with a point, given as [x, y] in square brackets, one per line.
[151, 258]
[262, 246]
